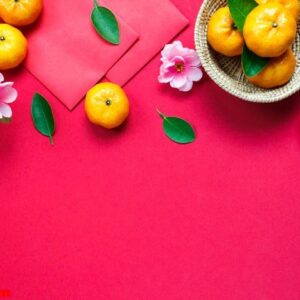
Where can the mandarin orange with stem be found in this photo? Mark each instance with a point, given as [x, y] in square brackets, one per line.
[20, 12]
[107, 105]
[223, 35]
[269, 30]
[13, 47]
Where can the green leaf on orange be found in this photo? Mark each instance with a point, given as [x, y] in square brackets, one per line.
[251, 63]
[239, 10]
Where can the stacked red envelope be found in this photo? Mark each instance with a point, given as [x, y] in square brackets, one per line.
[69, 57]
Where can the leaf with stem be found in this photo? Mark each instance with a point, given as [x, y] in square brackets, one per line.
[106, 24]
[177, 129]
[42, 116]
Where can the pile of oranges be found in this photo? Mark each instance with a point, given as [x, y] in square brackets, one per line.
[13, 44]
[269, 31]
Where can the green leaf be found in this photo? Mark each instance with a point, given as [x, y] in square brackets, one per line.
[177, 129]
[251, 63]
[239, 10]
[42, 116]
[106, 24]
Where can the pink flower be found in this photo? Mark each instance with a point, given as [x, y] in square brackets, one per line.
[180, 67]
[7, 95]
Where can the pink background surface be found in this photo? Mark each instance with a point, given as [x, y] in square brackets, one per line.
[129, 215]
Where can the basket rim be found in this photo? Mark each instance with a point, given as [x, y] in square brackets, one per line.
[251, 97]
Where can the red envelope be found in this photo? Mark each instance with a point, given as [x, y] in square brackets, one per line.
[156, 21]
[68, 57]
[65, 52]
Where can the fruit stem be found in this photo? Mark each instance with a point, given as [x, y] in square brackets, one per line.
[160, 114]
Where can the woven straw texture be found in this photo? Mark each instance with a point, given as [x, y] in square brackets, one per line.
[227, 72]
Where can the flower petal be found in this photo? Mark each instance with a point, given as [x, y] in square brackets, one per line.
[168, 64]
[194, 74]
[166, 74]
[171, 50]
[192, 59]
[5, 110]
[169, 47]
[8, 94]
[165, 77]
[187, 86]
[6, 84]
[1, 77]
[178, 81]
[177, 59]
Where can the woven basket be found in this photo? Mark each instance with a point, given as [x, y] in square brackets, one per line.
[227, 72]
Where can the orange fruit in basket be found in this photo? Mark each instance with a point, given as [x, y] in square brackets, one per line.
[278, 72]
[13, 47]
[222, 34]
[107, 105]
[20, 12]
[269, 30]
[292, 5]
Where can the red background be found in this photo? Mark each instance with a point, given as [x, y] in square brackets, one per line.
[127, 214]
